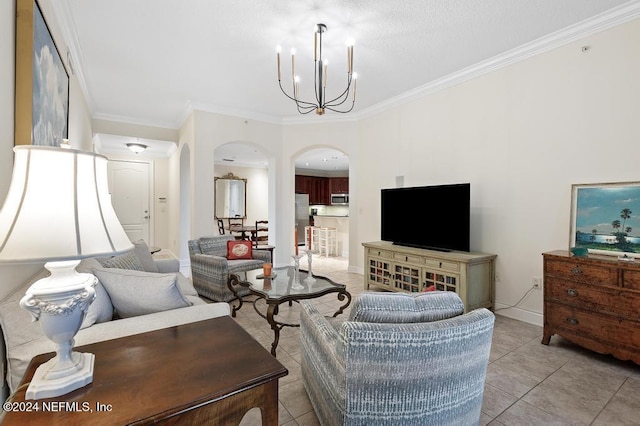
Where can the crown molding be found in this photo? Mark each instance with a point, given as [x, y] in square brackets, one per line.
[614, 17]
[192, 106]
[64, 17]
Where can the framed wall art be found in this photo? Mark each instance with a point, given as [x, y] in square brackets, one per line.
[42, 81]
[605, 218]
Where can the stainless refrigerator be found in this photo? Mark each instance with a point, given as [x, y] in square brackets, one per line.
[302, 215]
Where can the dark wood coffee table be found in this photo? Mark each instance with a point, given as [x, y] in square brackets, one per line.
[207, 372]
[285, 288]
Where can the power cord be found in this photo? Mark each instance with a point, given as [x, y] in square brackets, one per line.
[518, 302]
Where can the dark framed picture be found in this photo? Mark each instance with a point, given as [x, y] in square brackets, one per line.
[605, 218]
[42, 81]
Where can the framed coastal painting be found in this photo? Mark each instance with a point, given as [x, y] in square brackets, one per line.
[605, 218]
[42, 81]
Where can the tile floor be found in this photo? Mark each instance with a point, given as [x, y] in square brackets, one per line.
[527, 383]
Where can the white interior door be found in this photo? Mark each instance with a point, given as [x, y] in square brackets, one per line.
[129, 187]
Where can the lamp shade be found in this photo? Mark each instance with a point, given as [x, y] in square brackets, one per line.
[58, 207]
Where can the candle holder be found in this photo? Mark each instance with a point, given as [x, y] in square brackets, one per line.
[309, 279]
[296, 273]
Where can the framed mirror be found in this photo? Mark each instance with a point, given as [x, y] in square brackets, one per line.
[230, 196]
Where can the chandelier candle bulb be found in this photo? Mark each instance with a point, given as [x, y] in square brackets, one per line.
[278, 56]
[293, 64]
[355, 80]
[315, 46]
[324, 72]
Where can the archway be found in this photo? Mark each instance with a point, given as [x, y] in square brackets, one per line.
[249, 161]
[322, 178]
[185, 201]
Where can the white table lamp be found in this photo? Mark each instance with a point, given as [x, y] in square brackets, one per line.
[58, 210]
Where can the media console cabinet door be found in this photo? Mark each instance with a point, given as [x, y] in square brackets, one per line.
[412, 270]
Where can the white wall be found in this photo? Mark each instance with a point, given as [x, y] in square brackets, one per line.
[521, 135]
[203, 132]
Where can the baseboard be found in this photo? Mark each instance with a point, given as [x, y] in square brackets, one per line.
[531, 317]
[356, 270]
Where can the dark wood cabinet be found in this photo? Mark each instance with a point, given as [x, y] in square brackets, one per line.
[317, 187]
[593, 301]
[339, 185]
[302, 184]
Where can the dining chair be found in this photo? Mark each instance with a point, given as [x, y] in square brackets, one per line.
[260, 237]
[236, 228]
[221, 230]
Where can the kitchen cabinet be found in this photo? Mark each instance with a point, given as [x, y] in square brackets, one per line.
[339, 185]
[317, 187]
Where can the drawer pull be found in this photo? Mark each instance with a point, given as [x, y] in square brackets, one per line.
[572, 321]
[572, 292]
[576, 271]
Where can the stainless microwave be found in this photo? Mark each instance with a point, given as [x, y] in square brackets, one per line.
[339, 199]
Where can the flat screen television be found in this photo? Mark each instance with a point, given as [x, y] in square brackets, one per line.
[433, 217]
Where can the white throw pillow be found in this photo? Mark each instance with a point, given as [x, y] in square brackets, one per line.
[135, 293]
[101, 310]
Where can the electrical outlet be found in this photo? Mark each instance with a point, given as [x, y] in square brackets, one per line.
[536, 282]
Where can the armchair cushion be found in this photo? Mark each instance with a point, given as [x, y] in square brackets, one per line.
[215, 246]
[239, 250]
[406, 308]
[135, 293]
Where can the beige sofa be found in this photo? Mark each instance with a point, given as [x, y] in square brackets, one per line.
[128, 301]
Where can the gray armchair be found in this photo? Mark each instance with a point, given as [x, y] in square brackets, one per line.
[399, 359]
[210, 268]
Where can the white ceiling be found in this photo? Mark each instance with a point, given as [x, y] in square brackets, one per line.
[153, 61]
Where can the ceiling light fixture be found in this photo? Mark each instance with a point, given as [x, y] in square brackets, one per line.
[137, 147]
[320, 79]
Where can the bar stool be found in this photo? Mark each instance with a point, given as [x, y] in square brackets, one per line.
[327, 241]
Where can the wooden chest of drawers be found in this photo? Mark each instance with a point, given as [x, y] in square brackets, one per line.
[593, 301]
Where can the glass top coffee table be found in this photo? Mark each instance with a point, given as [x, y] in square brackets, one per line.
[283, 286]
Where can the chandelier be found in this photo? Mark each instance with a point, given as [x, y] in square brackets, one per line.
[321, 103]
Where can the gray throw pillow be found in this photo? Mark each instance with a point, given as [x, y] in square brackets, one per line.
[128, 260]
[135, 293]
[141, 249]
[101, 310]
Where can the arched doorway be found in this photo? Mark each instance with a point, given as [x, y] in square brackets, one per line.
[321, 191]
[185, 201]
[247, 161]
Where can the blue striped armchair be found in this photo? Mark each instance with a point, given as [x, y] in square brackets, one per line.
[210, 268]
[398, 359]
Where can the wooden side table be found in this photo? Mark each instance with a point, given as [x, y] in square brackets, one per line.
[207, 372]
